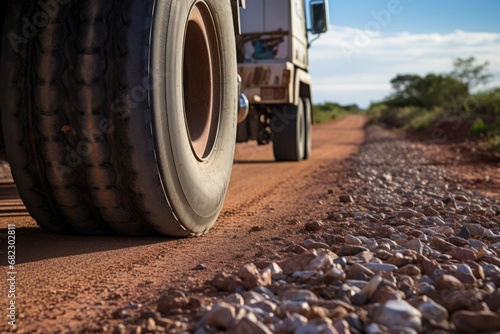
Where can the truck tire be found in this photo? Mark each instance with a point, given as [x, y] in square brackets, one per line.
[288, 127]
[120, 116]
[308, 127]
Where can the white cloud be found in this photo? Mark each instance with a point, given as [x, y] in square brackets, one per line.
[349, 67]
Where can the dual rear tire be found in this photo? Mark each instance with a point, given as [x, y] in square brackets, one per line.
[291, 127]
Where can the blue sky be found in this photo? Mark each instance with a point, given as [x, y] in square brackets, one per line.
[370, 41]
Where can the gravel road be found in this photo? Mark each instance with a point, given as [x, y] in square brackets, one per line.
[376, 238]
[72, 284]
[402, 250]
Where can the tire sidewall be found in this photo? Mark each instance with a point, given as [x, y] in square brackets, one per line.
[308, 127]
[301, 130]
[195, 189]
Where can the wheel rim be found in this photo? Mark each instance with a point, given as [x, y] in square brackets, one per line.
[201, 81]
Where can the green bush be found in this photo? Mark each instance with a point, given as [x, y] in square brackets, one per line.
[329, 111]
[478, 127]
[494, 142]
[484, 103]
[417, 102]
[420, 119]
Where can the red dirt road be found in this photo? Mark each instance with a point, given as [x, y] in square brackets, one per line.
[73, 283]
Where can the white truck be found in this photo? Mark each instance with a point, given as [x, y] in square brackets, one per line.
[273, 64]
[120, 116]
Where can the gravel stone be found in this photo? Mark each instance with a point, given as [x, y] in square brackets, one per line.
[433, 311]
[403, 245]
[250, 325]
[348, 250]
[298, 295]
[463, 254]
[376, 267]
[222, 316]
[409, 270]
[235, 299]
[174, 300]
[335, 274]
[474, 229]
[346, 199]
[150, 325]
[352, 240]
[251, 277]
[400, 314]
[120, 329]
[415, 244]
[464, 233]
[440, 244]
[290, 306]
[359, 268]
[298, 263]
[313, 226]
[473, 322]
[321, 262]
[369, 289]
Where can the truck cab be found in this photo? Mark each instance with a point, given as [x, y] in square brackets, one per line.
[273, 63]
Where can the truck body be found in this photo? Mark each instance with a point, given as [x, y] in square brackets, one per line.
[121, 116]
[273, 51]
[273, 63]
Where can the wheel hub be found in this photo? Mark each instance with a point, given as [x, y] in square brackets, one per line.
[201, 80]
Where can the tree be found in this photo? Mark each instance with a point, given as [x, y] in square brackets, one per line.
[427, 92]
[443, 90]
[470, 73]
[406, 90]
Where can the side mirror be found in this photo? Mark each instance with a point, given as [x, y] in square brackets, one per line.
[319, 16]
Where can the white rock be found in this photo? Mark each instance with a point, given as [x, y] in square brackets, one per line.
[437, 220]
[305, 275]
[264, 292]
[291, 323]
[399, 313]
[352, 240]
[489, 234]
[372, 286]
[415, 244]
[221, 316]
[235, 299]
[475, 229]
[321, 262]
[252, 297]
[298, 295]
[359, 268]
[464, 269]
[477, 244]
[289, 306]
[275, 269]
[380, 266]
[266, 306]
[251, 276]
[403, 330]
[433, 311]
[373, 329]
[342, 327]
[336, 273]
[307, 329]
[250, 325]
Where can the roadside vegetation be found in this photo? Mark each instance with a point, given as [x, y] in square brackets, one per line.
[444, 106]
[329, 111]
